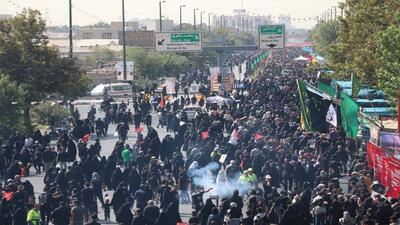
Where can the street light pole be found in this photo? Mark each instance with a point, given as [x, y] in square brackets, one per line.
[160, 15]
[201, 20]
[123, 38]
[209, 24]
[194, 18]
[335, 12]
[70, 30]
[180, 16]
[221, 23]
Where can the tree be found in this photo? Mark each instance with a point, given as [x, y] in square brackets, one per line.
[10, 110]
[324, 35]
[152, 65]
[357, 37]
[33, 65]
[388, 58]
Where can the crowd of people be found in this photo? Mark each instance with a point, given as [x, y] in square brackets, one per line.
[246, 163]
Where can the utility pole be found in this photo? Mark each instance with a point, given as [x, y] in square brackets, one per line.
[123, 38]
[335, 12]
[71, 51]
[224, 23]
[180, 16]
[221, 23]
[209, 24]
[160, 2]
[194, 18]
[242, 20]
[201, 20]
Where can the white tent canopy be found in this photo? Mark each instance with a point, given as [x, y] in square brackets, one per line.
[301, 58]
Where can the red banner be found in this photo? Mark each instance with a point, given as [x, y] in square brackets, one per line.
[386, 169]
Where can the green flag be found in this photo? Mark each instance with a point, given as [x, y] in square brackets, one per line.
[305, 112]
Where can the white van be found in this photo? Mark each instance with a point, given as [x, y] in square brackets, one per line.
[115, 89]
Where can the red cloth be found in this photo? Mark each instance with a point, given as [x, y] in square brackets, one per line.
[139, 130]
[258, 137]
[162, 102]
[386, 169]
[86, 138]
[204, 135]
[8, 195]
[235, 135]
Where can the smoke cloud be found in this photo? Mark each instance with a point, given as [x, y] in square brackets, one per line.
[205, 178]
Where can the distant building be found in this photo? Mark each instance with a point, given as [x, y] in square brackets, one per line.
[286, 20]
[5, 16]
[154, 25]
[57, 35]
[240, 21]
[144, 39]
[86, 47]
[130, 25]
[105, 33]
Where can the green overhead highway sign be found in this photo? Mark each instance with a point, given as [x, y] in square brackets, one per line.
[271, 36]
[178, 42]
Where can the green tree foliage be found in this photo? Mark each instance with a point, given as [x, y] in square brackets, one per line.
[357, 37]
[324, 35]
[388, 58]
[100, 55]
[33, 65]
[49, 114]
[10, 110]
[152, 65]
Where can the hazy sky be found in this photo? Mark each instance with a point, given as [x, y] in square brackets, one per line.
[91, 11]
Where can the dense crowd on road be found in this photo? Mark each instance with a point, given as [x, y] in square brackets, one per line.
[246, 163]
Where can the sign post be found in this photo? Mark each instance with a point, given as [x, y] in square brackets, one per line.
[179, 42]
[271, 36]
[129, 70]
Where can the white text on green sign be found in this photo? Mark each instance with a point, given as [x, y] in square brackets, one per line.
[185, 37]
[267, 30]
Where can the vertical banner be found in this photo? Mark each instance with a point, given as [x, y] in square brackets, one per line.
[227, 79]
[386, 169]
[393, 179]
[129, 70]
[170, 85]
[214, 79]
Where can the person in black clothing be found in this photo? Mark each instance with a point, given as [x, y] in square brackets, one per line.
[151, 212]
[148, 120]
[137, 119]
[122, 130]
[20, 214]
[93, 221]
[124, 215]
[194, 220]
[88, 197]
[118, 199]
[205, 212]
[197, 199]
[139, 219]
[60, 216]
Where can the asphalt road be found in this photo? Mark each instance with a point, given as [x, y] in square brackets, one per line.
[107, 144]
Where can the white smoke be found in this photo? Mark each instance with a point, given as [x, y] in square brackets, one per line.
[204, 178]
